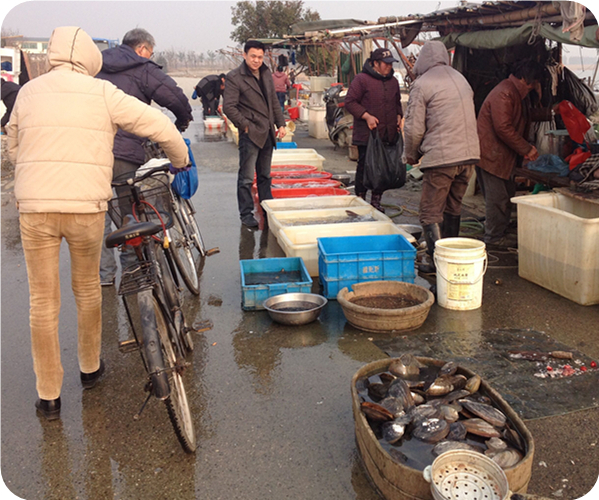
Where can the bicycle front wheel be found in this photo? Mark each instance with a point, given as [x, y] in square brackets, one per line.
[177, 404]
[180, 246]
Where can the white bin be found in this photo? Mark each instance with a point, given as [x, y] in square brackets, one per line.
[317, 126]
[558, 245]
[297, 156]
[300, 241]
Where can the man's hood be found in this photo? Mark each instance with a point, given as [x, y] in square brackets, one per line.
[73, 49]
[433, 53]
[368, 68]
[120, 59]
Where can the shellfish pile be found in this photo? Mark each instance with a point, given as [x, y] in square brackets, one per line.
[418, 412]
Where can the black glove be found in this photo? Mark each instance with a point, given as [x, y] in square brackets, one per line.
[181, 126]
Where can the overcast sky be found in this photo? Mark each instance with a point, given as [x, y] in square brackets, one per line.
[181, 25]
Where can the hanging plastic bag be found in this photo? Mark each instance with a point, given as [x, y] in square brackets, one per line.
[186, 182]
[544, 144]
[383, 168]
[574, 120]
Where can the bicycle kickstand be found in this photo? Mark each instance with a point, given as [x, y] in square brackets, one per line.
[138, 414]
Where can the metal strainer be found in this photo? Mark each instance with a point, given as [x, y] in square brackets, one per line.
[466, 475]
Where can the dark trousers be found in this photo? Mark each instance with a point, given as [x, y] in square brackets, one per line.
[497, 192]
[210, 106]
[282, 96]
[359, 182]
[253, 159]
[442, 191]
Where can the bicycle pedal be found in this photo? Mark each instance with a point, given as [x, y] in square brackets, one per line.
[202, 326]
[212, 251]
[127, 346]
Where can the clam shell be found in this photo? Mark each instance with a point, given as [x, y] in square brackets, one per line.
[455, 395]
[473, 384]
[458, 381]
[386, 377]
[507, 458]
[375, 412]
[423, 412]
[377, 391]
[480, 427]
[444, 446]
[399, 389]
[448, 368]
[431, 430]
[485, 411]
[496, 444]
[393, 431]
[418, 399]
[394, 405]
[440, 387]
[406, 366]
[449, 413]
[457, 431]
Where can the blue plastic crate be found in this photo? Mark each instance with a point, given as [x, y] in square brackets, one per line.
[286, 145]
[253, 296]
[343, 261]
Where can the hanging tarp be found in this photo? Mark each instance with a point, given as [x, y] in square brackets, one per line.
[507, 37]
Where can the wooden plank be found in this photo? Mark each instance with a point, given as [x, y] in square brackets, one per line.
[590, 197]
[551, 180]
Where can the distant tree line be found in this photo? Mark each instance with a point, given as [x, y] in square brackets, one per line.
[178, 60]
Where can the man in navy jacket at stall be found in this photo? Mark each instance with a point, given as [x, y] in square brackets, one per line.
[131, 69]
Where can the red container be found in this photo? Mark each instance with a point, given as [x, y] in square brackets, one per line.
[293, 113]
[280, 168]
[282, 182]
[305, 192]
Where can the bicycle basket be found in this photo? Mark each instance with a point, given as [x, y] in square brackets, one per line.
[137, 277]
[154, 192]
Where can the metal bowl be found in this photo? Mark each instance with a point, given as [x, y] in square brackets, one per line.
[295, 308]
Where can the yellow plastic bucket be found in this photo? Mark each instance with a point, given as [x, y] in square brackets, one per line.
[461, 264]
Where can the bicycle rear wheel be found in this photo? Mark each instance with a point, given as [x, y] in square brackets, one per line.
[193, 228]
[180, 247]
[177, 404]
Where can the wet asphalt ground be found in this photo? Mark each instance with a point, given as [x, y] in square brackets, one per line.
[271, 404]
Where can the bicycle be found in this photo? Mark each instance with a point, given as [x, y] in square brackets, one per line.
[151, 296]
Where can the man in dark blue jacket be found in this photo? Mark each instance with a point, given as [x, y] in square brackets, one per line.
[131, 69]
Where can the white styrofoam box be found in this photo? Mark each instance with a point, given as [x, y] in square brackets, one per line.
[213, 125]
[304, 115]
[292, 218]
[313, 203]
[321, 83]
[300, 241]
[558, 242]
[317, 126]
[297, 156]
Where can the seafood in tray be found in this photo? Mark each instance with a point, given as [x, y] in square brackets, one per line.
[418, 411]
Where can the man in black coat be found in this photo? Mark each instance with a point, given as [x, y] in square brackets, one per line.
[131, 69]
[251, 103]
[209, 89]
[9, 96]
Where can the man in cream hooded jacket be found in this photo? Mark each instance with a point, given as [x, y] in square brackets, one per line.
[60, 137]
[440, 131]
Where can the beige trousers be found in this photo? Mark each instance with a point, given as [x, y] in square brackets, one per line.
[41, 235]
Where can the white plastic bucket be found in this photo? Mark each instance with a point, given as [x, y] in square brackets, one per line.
[461, 264]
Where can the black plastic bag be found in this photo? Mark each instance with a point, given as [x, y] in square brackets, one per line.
[383, 168]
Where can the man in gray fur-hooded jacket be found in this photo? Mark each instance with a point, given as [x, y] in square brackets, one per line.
[440, 132]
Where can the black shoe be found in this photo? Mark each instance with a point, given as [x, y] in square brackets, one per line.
[249, 221]
[48, 408]
[88, 380]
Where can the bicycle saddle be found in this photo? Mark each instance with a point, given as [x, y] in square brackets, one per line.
[131, 229]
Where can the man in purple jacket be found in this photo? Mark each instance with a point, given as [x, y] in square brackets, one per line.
[131, 69]
[374, 100]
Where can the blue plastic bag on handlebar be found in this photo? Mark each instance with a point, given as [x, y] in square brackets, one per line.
[186, 182]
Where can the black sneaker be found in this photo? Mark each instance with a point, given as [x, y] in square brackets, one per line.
[48, 408]
[88, 380]
[249, 221]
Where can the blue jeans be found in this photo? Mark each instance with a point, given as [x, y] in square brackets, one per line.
[282, 96]
[108, 266]
[253, 159]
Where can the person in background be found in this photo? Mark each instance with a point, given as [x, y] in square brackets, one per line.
[374, 100]
[63, 170]
[9, 93]
[440, 132]
[131, 69]
[282, 86]
[209, 89]
[502, 125]
[250, 102]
